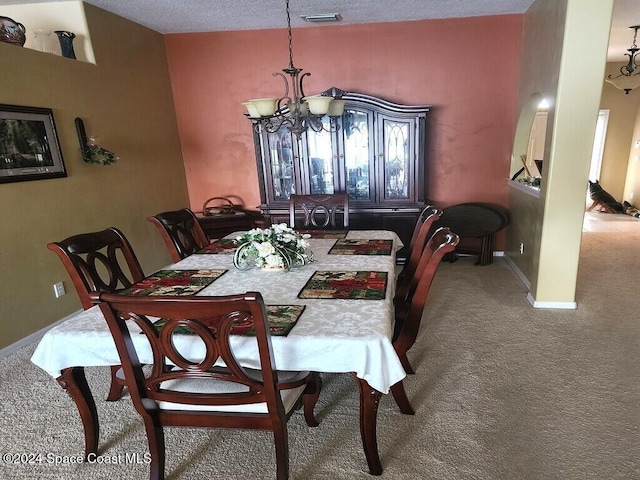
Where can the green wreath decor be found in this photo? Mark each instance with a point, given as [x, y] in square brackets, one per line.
[97, 155]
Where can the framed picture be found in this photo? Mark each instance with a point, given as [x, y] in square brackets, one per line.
[29, 147]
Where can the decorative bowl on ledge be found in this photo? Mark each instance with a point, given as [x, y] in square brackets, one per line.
[12, 32]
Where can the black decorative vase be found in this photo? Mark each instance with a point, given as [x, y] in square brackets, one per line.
[66, 43]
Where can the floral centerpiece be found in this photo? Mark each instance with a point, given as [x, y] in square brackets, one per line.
[276, 248]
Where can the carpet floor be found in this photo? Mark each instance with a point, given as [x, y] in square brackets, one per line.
[502, 391]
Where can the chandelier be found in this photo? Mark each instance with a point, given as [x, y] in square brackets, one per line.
[628, 78]
[296, 112]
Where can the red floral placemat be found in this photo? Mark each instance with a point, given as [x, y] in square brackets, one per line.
[357, 285]
[174, 282]
[281, 318]
[324, 233]
[362, 247]
[222, 245]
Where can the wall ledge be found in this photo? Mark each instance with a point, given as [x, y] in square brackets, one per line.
[533, 191]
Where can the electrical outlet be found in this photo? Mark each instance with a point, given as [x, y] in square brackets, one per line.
[631, 196]
[521, 248]
[58, 289]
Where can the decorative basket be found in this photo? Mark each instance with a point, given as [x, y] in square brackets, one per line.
[224, 206]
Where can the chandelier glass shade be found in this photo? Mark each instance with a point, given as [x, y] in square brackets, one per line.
[629, 77]
[293, 109]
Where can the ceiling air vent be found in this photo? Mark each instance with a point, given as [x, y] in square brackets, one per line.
[322, 17]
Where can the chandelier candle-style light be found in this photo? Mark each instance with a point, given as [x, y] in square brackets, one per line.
[628, 78]
[297, 112]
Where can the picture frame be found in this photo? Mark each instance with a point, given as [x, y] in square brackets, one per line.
[29, 146]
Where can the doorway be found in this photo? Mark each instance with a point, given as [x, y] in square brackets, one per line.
[598, 149]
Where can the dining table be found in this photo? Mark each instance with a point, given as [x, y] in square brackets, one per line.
[344, 324]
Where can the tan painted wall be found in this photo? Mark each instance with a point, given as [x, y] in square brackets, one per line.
[543, 32]
[555, 226]
[632, 187]
[622, 118]
[126, 99]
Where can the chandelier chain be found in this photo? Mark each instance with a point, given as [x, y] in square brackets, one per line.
[294, 110]
[291, 37]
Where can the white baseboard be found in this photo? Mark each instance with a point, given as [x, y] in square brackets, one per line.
[561, 305]
[517, 271]
[534, 303]
[34, 337]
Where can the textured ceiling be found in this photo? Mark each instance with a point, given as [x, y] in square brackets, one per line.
[181, 16]
[176, 16]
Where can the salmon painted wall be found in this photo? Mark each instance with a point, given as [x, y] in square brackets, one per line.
[467, 69]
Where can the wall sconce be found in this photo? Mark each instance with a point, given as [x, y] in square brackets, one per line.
[91, 151]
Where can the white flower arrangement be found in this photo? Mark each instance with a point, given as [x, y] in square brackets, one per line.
[278, 248]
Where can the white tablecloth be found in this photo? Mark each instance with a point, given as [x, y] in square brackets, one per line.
[331, 335]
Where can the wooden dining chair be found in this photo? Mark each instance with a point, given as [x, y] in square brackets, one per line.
[197, 392]
[427, 218]
[408, 313]
[409, 308]
[319, 211]
[182, 233]
[100, 262]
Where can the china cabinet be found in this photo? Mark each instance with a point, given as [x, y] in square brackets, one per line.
[375, 152]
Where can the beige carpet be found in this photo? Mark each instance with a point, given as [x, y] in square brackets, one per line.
[502, 391]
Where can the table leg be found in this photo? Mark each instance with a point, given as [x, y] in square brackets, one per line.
[75, 383]
[486, 251]
[369, 399]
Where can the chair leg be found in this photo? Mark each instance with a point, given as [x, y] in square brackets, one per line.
[155, 438]
[405, 363]
[117, 385]
[282, 451]
[310, 399]
[400, 396]
[74, 382]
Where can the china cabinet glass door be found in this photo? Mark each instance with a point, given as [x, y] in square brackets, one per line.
[283, 168]
[398, 164]
[357, 154]
[321, 157]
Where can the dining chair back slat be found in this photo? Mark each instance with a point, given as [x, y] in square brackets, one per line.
[182, 233]
[319, 211]
[98, 262]
[427, 218]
